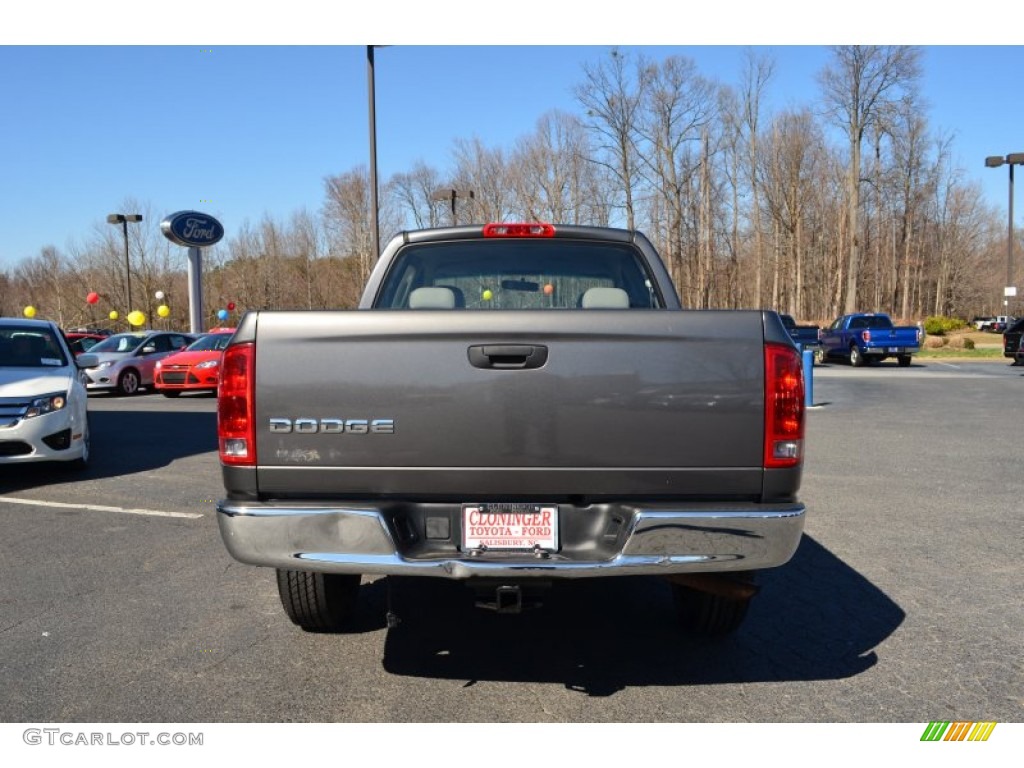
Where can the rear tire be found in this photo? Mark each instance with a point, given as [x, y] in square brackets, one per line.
[856, 358]
[904, 361]
[709, 614]
[129, 382]
[318, 602]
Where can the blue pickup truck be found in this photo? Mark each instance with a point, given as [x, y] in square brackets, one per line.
[868, 337]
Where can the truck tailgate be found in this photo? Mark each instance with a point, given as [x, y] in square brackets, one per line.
[644, 403]
[886, 338]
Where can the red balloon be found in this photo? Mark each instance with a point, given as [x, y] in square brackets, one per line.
[231, 306]
[93, 297]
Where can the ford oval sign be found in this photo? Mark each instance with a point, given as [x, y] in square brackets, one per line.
[192, 229]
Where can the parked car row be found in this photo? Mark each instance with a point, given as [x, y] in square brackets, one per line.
[998, 324]
[46, 375]
[167, 361]
[127, 361]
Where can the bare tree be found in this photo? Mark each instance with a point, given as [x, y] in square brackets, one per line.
[732, 138]
[306, 249]
[612, 98]
[8, 298]
[860, 83]
[679, 105]
[414, 196]
[913, 181]
[550, 176]
[483, 170]
[756, 76]
[959, 221]
[346, 215]
[790, 169]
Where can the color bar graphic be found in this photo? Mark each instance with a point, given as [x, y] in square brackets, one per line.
[957, 731]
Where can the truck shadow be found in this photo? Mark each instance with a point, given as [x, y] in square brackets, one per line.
[123, 443]
[815, 619]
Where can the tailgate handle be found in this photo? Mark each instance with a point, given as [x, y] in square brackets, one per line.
[508, 356]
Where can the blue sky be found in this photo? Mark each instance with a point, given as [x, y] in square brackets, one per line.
[243, 130]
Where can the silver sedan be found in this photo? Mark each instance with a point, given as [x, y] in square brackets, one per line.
[126, 361]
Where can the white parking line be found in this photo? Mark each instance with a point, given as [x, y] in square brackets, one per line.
[99, 508]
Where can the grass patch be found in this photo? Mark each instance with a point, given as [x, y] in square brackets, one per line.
[988, 353]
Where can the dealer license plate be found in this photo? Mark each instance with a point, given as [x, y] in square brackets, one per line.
[510, 526]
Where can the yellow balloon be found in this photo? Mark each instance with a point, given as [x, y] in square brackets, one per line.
[30, 311]
[163, 310]
[136, 318]
[113, 314]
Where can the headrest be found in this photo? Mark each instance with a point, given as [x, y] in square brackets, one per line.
[605, 298]
[432, 297]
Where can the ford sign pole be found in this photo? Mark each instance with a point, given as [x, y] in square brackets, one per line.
[195, 289]
[194, 230]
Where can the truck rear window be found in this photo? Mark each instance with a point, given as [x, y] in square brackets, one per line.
[871, 321]
[518, 274]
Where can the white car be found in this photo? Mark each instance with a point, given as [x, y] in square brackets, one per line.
[43, 400]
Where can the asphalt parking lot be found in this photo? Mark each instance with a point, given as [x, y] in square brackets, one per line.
[119, 602]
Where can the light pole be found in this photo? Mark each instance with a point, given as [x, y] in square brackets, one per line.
[994, 162]
[375, 220]
[123, 219]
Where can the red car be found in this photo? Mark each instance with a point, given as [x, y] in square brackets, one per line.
[195, 368]
[82, 341]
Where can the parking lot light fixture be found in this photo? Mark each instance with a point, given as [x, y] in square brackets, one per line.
[374, 195]
[995, 161]
[451, 196]
[123, 219]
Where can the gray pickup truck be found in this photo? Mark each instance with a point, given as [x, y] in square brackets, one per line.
[511, 405]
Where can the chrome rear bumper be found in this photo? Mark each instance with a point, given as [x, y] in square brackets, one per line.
[654, 539]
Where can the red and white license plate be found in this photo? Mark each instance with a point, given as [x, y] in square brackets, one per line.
[510, 526]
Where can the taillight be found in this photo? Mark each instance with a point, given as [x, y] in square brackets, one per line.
[236, 426]
[866, 335]
[535, 229]
[783, 406]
